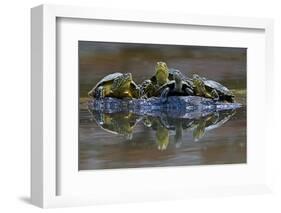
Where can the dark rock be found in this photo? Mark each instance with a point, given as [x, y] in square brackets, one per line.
[178, 106]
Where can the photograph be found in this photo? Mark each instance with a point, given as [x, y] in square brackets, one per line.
[161, 105]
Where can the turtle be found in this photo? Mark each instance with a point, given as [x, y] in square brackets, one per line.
[222, 118]
[177, 125]
[176, 87]
[164, 74]
[173, 71]
[163, 124]
[116, 123]
[147, 89]
[162, 133]
[161, 76]
[162, 137]
[117, 85]
[211, 89]
[211, 121]
[199, 130]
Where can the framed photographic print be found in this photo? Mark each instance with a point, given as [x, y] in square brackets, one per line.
[150, 106]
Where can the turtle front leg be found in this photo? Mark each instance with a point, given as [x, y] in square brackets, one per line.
[215, 95]
[136, 92]
[215, 117]
[164, 95]
[178, 135]
[147, 122]
[129, 136]
[100, 92]
[189, 91]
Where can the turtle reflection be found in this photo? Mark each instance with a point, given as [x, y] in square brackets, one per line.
[164, 126]
[121, 123]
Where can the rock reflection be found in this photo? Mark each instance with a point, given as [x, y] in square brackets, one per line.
[163, 124]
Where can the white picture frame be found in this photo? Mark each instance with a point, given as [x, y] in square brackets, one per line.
[44, 154]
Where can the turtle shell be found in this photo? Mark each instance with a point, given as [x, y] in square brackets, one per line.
[109, 81]
[171, 123]
[218, 87]
[172, 71]
[116, 123]
[108, 78]
[224, 93]
[172, 86]
[223, 117]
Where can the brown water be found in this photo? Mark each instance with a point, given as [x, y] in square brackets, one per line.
[131, 141]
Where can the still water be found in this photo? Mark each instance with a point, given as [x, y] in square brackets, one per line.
[126, 140]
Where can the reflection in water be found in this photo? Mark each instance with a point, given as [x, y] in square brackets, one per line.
[116, 123]
[110, 140]
[123, 123]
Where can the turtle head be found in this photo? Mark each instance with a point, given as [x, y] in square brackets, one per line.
[122, 81]
[195, 77]
[199, 131]
[127, 77]
[162, 73]
[147, 122]
[198, 82]
[177, 76]
[178, 80]
[162, 137]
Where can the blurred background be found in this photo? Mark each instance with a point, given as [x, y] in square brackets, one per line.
[97, 59]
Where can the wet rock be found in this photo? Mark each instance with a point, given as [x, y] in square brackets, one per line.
[175, 105]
